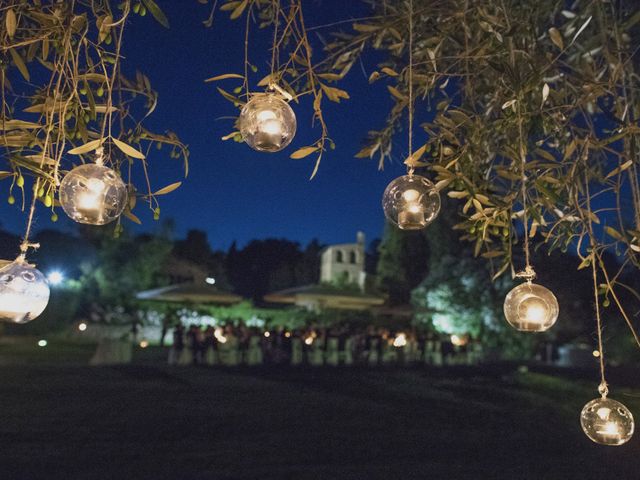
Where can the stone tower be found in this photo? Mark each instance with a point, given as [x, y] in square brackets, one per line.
[344, 262]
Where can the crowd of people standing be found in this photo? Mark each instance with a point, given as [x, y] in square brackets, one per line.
[232, 345]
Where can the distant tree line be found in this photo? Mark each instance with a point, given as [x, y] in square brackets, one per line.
[432, 270]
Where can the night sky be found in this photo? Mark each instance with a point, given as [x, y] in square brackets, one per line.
[232, 192]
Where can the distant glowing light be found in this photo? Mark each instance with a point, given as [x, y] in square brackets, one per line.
[459, 340]
[144, 344]
[55, 277]
[219, 334]
[400, 340]
[287, 334]
[42, 343]
[596, 353]
[82, 327]
[210, 280]
[267, 334]
[308, 340]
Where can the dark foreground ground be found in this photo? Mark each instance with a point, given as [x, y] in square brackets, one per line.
[148, 421]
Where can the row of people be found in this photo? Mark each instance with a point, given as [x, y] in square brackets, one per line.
[240, 345]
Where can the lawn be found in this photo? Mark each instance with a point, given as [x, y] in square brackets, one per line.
[69, 421]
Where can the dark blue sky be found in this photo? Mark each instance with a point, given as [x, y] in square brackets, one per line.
[232, 192]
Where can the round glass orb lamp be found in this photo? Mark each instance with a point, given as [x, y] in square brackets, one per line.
[531, 308]
[267, 123]
[411, 202]
[607, 422]
[93, 194]
[24, 292]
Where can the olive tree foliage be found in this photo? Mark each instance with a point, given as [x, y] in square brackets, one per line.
[530, 113]
[64, 95]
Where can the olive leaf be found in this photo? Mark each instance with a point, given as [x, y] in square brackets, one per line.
[239, 9]
[168, 189]
[396, 93]
[19, 62]
[224, 77]
[127, 213]
[556, 37]
[128, 149]
[11, 22]
[334, 94]
[157, 13]
[303, 152]
[87, 147]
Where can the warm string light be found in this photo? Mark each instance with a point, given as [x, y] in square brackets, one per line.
[411, 202]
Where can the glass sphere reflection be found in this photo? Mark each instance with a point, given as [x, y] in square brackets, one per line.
[411, 202]
[24, 292]
[531, 308]
[93, 194]
[607, 421]
[267, 123]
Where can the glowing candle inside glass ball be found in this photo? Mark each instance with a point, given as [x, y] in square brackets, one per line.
[267, 123]
[24, 292]
[607, 422]
[272, 127]
[269, 129]
[93, 194]
[411, 195]
[609, 429]
[413, 213]
[93, 197]
[531, 308]
[411, 202]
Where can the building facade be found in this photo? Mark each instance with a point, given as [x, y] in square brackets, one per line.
[344, 263]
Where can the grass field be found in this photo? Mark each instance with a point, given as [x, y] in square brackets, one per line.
[60, 419]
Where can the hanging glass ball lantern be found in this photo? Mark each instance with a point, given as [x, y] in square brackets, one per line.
[93, 194]
[24, 292]
[411, 202]
[267, 123]
[607, 421]
[531, 308]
